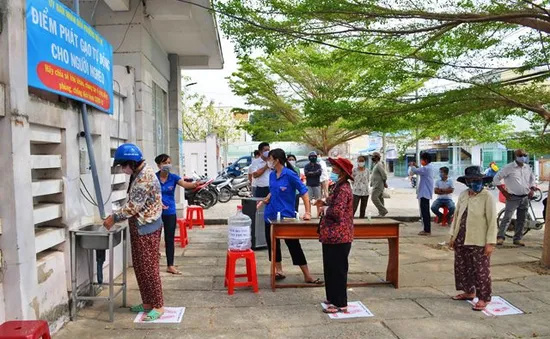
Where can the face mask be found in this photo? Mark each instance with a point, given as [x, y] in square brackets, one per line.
[361, 164]
[270, 164]
[313, 159]
[292, 162]
[265, 154]
[333, 176]
[522, 160]
[166, 168]
[442, 176]
[127, 170]
[476, 186]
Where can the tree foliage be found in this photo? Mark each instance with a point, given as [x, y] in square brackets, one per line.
[201, 118]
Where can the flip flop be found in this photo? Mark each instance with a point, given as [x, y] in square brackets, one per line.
[138, 308]
[334, 309]
[478, 307]
[175, 273]
[462, 296]
[279, 276]
[153, 315]
[315, 282]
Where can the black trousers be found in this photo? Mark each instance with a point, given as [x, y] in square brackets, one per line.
[261, 192]
[364, 199]
[169, 222]
[294, 247]
[425, 214]
[335, 267]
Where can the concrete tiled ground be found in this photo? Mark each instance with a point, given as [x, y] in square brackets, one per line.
[421, 308]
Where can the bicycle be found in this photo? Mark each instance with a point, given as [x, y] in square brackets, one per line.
[532, 222]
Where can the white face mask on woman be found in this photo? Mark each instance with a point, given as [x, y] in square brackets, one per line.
[361, 164]
[292, 162]
[270, 164]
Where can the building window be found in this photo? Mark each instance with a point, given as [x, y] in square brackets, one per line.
[160, 113]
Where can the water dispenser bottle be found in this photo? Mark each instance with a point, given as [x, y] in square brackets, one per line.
[239, 238]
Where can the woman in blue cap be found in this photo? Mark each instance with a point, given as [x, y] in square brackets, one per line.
[143, 211]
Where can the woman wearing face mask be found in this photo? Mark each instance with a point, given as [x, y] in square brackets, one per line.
[473, 238]
[361, 176]
[143, 211]
[292, 161]
[168, 183]
[283, 183]
[336, 235]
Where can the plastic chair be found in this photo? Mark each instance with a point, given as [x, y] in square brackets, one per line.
[190, 220]
[445, 219]
[25, 329]
[230, 268]
[182, 238]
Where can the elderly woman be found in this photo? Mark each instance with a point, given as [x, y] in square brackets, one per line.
[336, 235]
[143, 211]
[361, 177]
[473, 238]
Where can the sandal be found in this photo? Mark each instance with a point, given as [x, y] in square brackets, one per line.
[462, 296]
[153, 315]
[480, 306]
[315, 282]
[333, 309]
[139, 308]
[279, 276]
[174, 273]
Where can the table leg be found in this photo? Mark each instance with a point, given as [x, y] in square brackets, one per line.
[273, 258]
[392, 272]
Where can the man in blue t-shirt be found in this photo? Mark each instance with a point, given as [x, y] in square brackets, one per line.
[444, 188]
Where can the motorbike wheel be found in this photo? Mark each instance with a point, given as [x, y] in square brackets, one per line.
[510, 230]
[205, 199]
[225, 195]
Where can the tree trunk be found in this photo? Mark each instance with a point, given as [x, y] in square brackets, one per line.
[545, 260]
[383, 148]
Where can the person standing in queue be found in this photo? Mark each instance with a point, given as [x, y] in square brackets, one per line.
[143, 210]
[361, 176]
[378, 183]
[251, 179]
[283, 183]
[425, 190]
[168, 184]
[518, 187]
[473, 237]
[292, 161]
[336, 235]
[260, 171]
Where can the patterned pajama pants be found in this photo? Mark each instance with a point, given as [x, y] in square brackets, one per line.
[472, 272]
[145, 258]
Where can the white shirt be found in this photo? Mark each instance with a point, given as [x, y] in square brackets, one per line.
[262, 180]
[324, 173]
[517, 179]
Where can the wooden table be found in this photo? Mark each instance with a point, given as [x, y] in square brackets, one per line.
[377, 228]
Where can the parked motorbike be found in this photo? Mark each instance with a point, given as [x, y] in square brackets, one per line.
[212, 187]
[201, 195]
[234, 186]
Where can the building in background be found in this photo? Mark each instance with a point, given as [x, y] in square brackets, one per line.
[44, 159]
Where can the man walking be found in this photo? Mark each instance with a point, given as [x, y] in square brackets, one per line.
[518, 188]
[444, 188]
[260, 171]
[425, 190]
[378, 183]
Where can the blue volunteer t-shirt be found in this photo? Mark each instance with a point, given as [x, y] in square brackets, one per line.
[283, 194]
[168, 188]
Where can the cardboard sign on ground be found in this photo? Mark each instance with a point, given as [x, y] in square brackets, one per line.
[499, 306]
[356, 309]
[172, 315]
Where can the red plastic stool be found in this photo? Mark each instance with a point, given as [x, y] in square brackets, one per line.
[182, 237]
[25, 329]
[190, 220]
[230, 267]
[445, 219]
